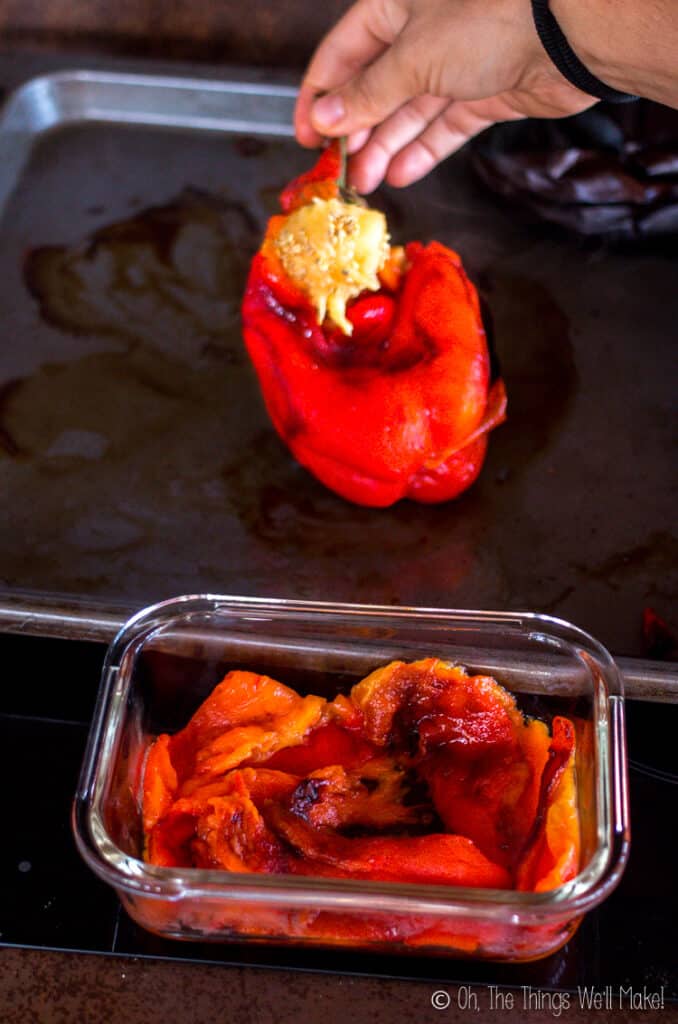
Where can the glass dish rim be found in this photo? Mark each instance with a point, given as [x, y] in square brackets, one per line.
[130, 874]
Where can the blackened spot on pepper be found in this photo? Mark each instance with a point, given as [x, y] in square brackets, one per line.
[304, 797]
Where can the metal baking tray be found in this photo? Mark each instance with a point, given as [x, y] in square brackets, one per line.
[136, 458]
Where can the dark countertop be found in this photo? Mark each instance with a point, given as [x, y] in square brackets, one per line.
[281, 34]
[55, 987]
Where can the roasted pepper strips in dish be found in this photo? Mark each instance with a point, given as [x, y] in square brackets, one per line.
[372, 359]
[423, 774]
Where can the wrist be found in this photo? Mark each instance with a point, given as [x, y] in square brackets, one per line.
[568, 57]
[599, 33]
[532, 63]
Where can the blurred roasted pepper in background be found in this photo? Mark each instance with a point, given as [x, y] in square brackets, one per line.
[372, 359]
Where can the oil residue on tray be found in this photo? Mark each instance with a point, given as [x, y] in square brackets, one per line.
[159, 449]
[168, 429]
[176, 270]
[172, 276]
[101, 406]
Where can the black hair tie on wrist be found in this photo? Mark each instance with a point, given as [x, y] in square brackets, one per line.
[566, 60]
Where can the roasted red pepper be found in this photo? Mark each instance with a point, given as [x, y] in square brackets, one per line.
[399, 407]
[422, 774]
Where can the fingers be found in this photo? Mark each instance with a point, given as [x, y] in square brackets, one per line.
[447, 133]
[411, 142]
[368, 98]
[354, 42]
[368, 168]
[373, 78]
[303, 129]
[355, 142]
[346, 53]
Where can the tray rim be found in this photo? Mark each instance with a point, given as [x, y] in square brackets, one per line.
[67, 97]
[51, 89]
[28, 613]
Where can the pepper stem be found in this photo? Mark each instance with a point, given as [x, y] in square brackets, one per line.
[348, 194]
[343, 158]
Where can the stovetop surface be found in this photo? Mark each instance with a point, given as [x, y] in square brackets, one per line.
[51, 900]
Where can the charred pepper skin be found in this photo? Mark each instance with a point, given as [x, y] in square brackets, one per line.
[400, 408]
[446, 780]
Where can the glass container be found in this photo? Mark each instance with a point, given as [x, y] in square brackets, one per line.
[168, 658]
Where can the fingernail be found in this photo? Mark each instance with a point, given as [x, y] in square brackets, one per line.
[328, 110]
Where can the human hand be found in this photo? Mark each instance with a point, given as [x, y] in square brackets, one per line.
[410, 81]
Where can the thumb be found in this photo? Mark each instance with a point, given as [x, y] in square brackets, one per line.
[368, 98]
